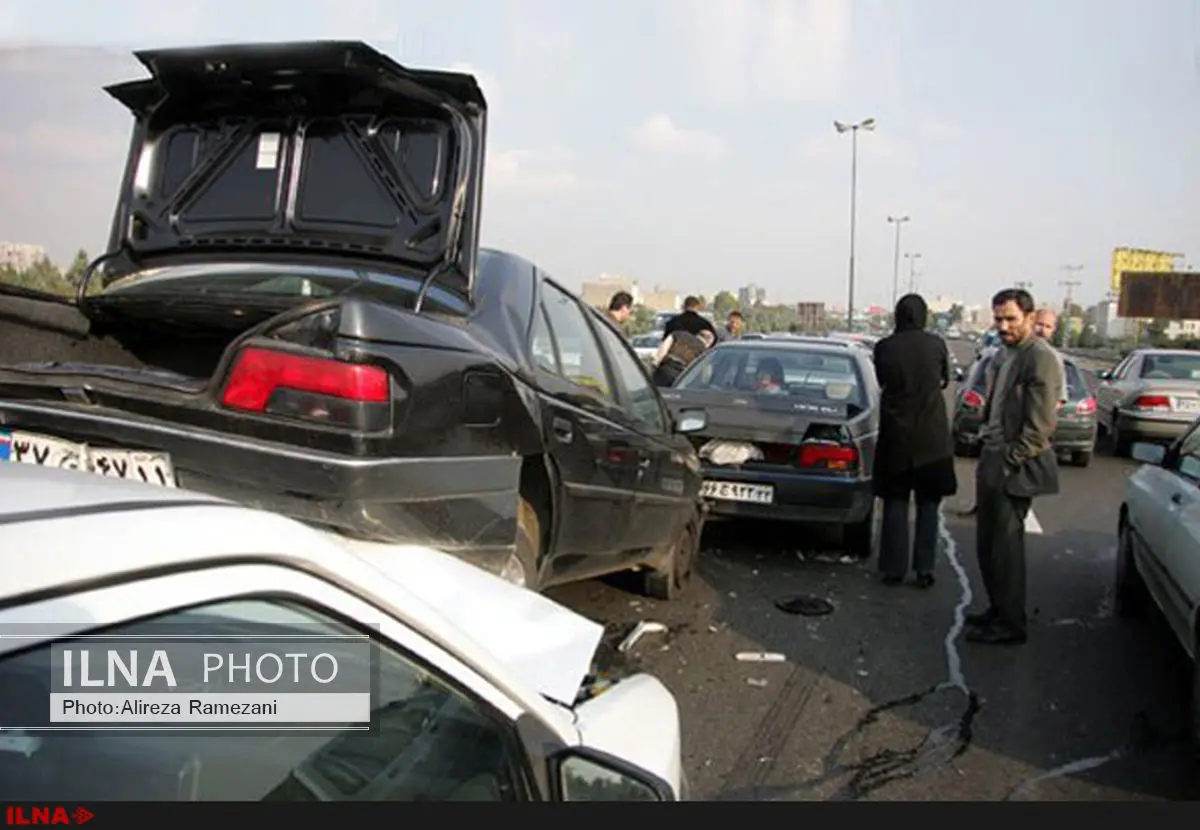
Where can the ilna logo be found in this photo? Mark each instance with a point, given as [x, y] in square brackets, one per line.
[47, 815]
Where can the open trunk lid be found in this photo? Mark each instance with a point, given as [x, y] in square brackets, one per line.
[309, 151]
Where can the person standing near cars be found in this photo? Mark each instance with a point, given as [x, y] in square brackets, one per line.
[620, 309]
[690, 320]
[1045, 321]
[1016, 464]
[735, 324]
[914, 457]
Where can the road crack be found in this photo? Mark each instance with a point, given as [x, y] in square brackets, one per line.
[937, 748]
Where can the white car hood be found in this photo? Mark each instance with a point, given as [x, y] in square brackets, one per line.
[544, 645]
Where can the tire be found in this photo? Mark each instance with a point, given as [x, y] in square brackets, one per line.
[672, 581]
[1119, 441]
[858, 539]
[1130, 596]
[1081, 458]
[1194, 707]
[529, 542]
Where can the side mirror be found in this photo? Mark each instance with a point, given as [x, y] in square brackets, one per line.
[959, 374]
[691, 420]
[583, 774]
[1148, 453]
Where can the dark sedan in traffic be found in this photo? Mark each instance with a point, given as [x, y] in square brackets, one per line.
[294, 313]
[1076, 433]
[789, 432]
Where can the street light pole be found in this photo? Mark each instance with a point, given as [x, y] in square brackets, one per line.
[897, 221]
[867, 124]
[912, 271]
[1068, 284]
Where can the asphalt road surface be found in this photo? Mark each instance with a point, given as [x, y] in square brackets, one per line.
[883, 700]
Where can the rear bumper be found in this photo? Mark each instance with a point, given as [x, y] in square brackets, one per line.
[1142, 427]
[799, 497]
[464, 506]
[1071, 436]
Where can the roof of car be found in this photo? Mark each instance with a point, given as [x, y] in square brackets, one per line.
[798, 344]
[1172, 352]
[59, 529]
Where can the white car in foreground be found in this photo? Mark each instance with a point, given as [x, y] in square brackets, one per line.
[478, 679]
[1158, 549]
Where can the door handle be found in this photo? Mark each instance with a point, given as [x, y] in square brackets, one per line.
[1177, 498]
[562, 430]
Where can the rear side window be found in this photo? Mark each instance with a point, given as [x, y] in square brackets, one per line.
[578, 352]
[1076, 386]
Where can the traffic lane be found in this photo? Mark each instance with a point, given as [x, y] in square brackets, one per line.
[1095, 705]
[810, 728]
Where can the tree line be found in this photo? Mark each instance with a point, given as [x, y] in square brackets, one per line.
[47, 277]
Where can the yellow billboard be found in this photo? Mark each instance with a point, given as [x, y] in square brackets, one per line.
[1138, 259]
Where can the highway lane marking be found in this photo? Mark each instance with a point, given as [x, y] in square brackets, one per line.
[1032, 525]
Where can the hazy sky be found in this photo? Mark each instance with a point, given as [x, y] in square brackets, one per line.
[689, 143]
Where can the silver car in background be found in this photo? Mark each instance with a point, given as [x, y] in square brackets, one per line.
[1151, 395]
[646, 345]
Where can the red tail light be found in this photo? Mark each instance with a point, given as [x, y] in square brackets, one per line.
[1159, 402]
[973, 400]
[826, 455]
[1086, 406]
[312, 388]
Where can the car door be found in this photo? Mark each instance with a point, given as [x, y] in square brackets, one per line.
[1177, 541]
[666, 488]
[440, 731]
[596, 458]
[1112, 391]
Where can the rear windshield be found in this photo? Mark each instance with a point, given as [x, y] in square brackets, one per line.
[1171, 367]
[271, 280]
[813, 376]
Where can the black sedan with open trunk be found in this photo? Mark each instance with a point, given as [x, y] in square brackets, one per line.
[786, 430]
[294, 313]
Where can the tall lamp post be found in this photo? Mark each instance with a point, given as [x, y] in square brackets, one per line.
[867, 124]
[912, 271]
[897, 221]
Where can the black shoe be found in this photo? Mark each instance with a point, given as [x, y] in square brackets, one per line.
[893, 580]
[997, 635]
[981, 618]
[925, 580]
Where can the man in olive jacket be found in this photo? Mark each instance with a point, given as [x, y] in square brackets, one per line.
[1016, 464]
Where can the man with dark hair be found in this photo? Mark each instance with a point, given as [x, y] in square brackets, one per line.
[1016, 464]
[735, 324]
[690, 320]
[620, 308]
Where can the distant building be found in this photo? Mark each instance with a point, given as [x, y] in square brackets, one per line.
[811, 316]
[20, 256]
[751, 295]
[599, 292]
[662, 300]
[1109, 325]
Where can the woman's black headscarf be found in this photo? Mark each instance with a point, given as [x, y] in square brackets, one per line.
[911, 313]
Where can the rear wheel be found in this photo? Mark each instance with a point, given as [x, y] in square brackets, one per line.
[1130, 596]
[858, 539]
[672, 580]
[1119, 441]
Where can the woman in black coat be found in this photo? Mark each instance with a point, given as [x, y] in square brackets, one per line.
[914, 456]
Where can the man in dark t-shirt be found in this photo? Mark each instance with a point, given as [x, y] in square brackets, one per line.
[690, 320]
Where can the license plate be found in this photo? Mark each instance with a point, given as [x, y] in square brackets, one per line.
[19, 447]
[1186, 405]
[736, 491]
